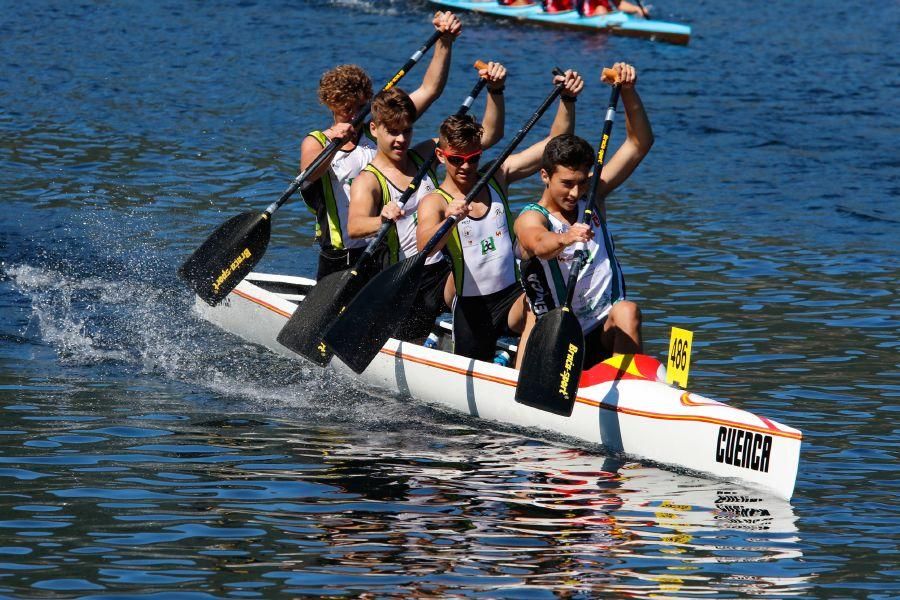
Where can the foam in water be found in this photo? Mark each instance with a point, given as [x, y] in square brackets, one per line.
[368, 6]
[96, 320]
[55, 310]
[137, 328]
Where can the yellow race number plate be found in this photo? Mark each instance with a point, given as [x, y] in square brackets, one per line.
[679, 357]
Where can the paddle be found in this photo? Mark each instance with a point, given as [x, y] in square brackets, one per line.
[324, 302]
[644, 12]
[371, 318]
[554, 355]
[232, 250]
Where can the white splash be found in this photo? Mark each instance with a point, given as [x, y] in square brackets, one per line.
[154, 332]
[62, 319]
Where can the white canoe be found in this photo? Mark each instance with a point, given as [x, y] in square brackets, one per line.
[622, 404]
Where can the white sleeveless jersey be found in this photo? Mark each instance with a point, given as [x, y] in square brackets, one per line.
[599, 286]
[402, 240]
[482, 249]
[345, 167]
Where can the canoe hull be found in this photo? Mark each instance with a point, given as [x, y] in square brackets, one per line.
[621, 404]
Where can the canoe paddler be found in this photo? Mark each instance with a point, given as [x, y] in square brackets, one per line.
[593, 8]
[548, 230]
[375, 192]
[487, 297]
[345, 89]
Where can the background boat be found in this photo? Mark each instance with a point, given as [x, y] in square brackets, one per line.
[615, 23]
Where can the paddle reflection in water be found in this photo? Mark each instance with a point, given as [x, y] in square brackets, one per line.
[521, 512]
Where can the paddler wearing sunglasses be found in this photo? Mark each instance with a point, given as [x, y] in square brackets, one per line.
[376, 190]
[345, 90]
[484, 289]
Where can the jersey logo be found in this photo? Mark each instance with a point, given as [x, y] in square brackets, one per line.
[538, 302]
[488, 245]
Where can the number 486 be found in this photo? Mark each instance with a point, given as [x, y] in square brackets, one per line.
[679, 353]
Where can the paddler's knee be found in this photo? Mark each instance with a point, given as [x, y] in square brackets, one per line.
[625, 314]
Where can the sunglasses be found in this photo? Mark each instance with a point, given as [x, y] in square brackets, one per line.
[458, 160]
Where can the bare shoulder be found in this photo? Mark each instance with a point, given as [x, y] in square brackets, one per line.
[310, 146]
[364, 182]
[432, 203]
[529, 217]
[310, 141]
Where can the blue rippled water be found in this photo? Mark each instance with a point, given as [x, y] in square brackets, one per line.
[144, 453]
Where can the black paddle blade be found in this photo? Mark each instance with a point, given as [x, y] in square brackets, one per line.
[227, 256]
[551, 367]
[372, 317]
[324, 302]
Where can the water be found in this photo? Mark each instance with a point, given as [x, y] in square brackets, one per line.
[145, 453]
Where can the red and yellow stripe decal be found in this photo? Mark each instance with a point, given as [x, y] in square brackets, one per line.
[686, 401]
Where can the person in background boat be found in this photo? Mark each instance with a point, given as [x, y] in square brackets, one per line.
[593, 8]
[344, 90]
[547, 232]
[376, 190]
[484, 289]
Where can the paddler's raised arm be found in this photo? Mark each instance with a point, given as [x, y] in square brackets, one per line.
[494, 120]
[638, 138]
[526, 163]
[438, 69]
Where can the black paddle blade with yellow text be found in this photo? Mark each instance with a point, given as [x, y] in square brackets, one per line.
[304, 331]
[374, 315]
[554, 354]
[227, 256]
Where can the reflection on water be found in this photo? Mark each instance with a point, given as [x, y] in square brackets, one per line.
[241, 504]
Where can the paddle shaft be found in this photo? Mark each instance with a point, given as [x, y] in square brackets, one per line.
[331, 149]
[643, 10]
[451, 221]
[417, 180]
[592, 193]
